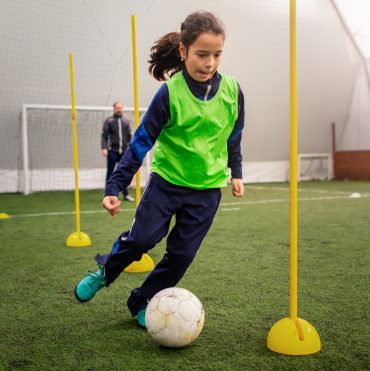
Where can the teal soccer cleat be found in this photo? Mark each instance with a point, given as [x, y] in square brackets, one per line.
[141, 318]
[90, 285]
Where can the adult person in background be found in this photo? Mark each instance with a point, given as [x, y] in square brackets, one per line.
[115, 140]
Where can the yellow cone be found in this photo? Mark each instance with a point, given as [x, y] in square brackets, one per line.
[146, 264]
[78, 239]
[4, 216]
[296, 339]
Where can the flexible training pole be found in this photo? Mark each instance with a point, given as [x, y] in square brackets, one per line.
[146, 263]
[293, 162]
[293, 336]
[77, 196]
[78, 238]
[136, 98]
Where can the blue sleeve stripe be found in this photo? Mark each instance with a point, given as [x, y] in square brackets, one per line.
[236, 131]
[141, 143]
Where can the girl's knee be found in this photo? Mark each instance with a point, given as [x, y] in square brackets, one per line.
[186, 257]
[139, 243]
[143, 244]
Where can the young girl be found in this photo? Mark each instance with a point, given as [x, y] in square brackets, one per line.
[196, 118]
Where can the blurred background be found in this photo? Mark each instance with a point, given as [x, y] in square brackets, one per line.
[333, 41]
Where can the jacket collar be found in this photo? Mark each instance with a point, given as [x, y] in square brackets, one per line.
[198, 88]
[191, 82]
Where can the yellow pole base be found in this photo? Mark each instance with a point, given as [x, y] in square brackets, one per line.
[146, 264]
[296, 339]
[4, 216]
[75, 241]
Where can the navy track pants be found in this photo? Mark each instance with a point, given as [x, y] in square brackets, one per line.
[161, 200]
[112, 159]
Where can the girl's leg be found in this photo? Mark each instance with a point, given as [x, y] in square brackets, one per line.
[153, 215]
[193, 221]
[160, 201]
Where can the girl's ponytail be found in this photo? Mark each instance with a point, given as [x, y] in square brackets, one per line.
[165, 58]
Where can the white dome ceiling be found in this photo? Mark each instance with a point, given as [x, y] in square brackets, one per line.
[356, 14]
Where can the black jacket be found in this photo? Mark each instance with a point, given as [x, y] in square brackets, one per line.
[116, 134]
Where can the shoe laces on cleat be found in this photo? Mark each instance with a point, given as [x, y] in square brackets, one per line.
[98, 276]
[101, 269]
[90, 285]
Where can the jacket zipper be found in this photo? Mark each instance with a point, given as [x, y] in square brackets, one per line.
[208, 90]
[120, 135]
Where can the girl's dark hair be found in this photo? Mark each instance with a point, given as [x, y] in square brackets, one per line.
[165, 58]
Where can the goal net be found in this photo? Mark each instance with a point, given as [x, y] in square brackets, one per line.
[47, 143]
[315, 166]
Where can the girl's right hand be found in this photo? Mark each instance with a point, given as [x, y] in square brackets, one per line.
[111, 203]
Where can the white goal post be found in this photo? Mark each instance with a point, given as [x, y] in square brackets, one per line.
[26, 189]
[313, 156]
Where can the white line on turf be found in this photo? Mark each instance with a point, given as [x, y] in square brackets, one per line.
[303, 190]
[287, 200]
[223, 204]
[64, 213]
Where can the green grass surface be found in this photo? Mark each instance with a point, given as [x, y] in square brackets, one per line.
[241, 275]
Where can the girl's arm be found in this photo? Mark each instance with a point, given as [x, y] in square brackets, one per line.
[234, 142]
[234, 149]
[151, 126]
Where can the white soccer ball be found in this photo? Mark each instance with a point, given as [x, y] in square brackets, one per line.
[174, 317]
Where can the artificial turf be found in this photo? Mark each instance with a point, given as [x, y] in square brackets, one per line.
[241, 275]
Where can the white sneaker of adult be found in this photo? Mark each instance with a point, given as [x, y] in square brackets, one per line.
[128, 198]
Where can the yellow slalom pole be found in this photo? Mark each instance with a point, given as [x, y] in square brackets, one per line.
[293, 335]
[78, 238]
[136, 97]
[146, 263]
[293, 162]
[77, 197]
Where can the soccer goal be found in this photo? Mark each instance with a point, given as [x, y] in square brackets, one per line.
[314, 166]
[47, 146]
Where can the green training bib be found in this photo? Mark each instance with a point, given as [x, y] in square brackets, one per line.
[191, 150]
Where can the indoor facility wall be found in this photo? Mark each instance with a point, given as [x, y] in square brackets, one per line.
[36, 37]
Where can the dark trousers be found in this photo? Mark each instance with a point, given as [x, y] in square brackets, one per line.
[161, 200]
[112, 159]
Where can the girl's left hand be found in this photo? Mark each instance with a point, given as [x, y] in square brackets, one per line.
[238, 187]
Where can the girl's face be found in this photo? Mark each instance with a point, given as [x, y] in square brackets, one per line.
[203, 56]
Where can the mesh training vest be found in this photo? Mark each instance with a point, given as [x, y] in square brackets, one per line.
[191, 150]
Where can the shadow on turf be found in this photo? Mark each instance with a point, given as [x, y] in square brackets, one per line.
[130, 326]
